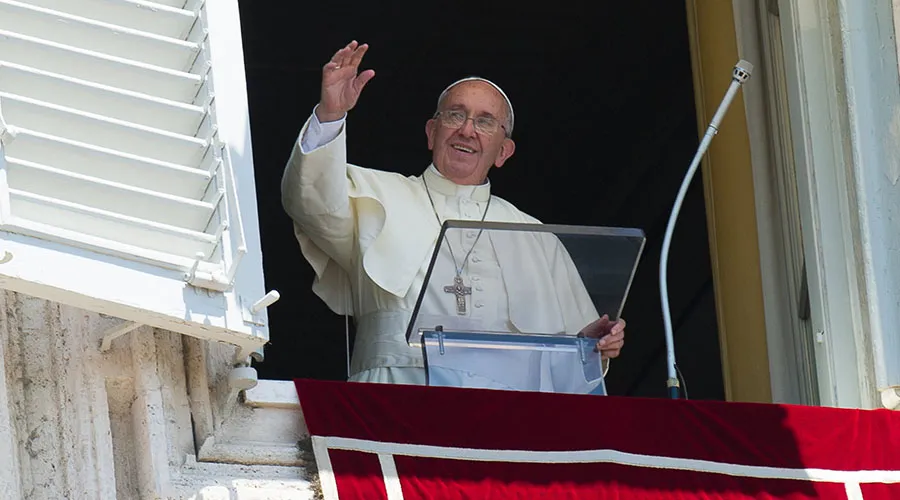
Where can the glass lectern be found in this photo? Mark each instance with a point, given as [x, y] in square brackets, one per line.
[506, 305]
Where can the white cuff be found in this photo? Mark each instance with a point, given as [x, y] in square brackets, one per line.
[319, 134]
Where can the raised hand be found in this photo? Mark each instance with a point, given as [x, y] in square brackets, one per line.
[341, 85]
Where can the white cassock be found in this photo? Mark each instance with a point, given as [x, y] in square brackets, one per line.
[369, 236]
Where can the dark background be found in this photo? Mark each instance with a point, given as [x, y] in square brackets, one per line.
[605, 130]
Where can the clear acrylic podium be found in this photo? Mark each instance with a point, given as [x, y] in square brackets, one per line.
[508, 314]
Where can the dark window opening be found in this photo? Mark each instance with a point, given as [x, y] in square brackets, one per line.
[605, 130]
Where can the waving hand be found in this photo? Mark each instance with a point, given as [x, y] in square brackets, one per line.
[341, 82]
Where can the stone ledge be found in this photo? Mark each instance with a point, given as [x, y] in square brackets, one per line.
[273, 394]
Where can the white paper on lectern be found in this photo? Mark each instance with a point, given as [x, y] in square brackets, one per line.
[545, 368]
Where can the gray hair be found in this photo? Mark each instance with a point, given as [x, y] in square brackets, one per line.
[510, 117]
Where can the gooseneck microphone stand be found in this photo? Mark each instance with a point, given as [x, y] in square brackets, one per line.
[740, 74]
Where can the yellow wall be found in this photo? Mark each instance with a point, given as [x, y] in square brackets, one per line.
[731, 212]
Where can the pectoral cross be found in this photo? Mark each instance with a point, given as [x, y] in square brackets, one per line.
[460, 290]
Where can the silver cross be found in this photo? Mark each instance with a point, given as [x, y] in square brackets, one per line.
[460, 290]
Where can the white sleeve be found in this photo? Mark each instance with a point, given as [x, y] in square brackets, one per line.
[319, 134]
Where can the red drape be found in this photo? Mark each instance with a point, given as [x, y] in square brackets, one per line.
[430, 442]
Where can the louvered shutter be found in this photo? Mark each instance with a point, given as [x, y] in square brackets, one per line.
[127, 180]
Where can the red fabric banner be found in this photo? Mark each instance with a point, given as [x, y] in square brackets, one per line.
[377, 441]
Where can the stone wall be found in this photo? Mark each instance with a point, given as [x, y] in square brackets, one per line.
[153, 417]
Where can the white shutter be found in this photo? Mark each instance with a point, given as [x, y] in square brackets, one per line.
[126, 179]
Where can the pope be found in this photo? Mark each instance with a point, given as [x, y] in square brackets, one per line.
[369, 234]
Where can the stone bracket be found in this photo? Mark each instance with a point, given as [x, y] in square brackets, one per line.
[115, 332]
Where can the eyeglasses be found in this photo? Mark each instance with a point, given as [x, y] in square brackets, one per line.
[486, 125]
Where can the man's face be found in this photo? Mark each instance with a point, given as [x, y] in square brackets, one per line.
[464, 154]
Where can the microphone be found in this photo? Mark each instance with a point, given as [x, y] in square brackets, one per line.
[739, 76]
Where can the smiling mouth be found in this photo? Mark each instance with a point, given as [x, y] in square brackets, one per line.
[464, 149]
